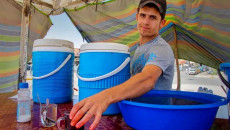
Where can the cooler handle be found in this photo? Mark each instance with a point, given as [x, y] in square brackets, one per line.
[56, 70]
[118, 69]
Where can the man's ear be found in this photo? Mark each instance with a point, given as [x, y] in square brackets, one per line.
[162, 23]
[137, 16]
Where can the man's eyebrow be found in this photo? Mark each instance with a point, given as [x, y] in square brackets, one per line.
[154, 16]
[143, 13]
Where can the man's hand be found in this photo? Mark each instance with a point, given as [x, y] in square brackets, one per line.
[95, 105]
[88, 108]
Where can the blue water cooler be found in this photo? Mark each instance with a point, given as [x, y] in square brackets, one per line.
[53, 61]
[102, 66]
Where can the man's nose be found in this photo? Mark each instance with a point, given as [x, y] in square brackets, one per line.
[146, 21]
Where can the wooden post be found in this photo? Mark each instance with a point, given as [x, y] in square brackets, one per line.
[24, 39]
[176, 56]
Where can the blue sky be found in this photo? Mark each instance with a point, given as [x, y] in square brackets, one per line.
[63, 28]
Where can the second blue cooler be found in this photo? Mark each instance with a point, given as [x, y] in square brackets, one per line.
[102, 66]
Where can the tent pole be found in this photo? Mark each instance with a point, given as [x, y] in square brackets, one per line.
[177, 61]
[24, 39]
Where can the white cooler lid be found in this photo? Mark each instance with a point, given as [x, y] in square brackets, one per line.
[53, 45]
[104, 47]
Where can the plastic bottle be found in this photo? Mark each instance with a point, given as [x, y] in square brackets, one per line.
[24, 107]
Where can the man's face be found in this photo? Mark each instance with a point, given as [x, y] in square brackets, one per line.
[149, 22]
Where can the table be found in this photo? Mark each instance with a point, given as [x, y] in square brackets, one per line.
[8, 112]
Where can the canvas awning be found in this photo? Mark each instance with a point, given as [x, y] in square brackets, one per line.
[197, 30]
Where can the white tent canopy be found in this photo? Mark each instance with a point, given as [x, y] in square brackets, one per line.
[54, 7]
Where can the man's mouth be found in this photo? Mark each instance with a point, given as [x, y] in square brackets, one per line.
[145, 28]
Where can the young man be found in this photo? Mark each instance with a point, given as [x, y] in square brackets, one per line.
[152, 66]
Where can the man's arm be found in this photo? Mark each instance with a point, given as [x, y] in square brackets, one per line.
[136, 86]
[95, 105]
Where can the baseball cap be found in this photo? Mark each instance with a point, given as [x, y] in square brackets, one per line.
[160, 4]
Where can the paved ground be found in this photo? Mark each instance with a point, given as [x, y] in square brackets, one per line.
[193, 82]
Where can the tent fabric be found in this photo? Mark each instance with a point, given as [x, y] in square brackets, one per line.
[201, 31]
[203, 28]
[197, 29]
[55, 7]
[10, 32]
[187, 46]
[112, 22]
